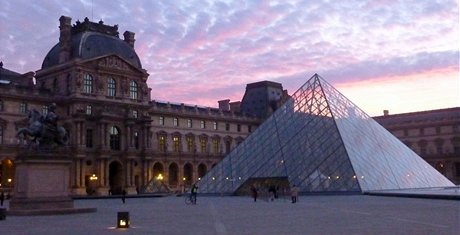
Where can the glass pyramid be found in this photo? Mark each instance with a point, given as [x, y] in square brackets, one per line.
[321, 142]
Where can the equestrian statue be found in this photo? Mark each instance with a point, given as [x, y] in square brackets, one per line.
[44, 129]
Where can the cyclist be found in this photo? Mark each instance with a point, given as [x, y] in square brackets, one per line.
[193, 194]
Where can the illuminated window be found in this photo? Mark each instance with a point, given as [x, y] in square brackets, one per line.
[88, 84]
[202, 124]
[114, 138]
[133, 90]
[162, 143]
[23, 107]
[89, 109]
[215, 125]
[175, 122]
[136, 140]
[189, 123]
[203, 142]
[111, 87]
[190, 144]
[176, 142]
[45, 109]
[162, 120]
[135, 114]
[215, 146]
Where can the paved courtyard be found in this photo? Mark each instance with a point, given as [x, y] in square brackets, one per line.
[354, 214]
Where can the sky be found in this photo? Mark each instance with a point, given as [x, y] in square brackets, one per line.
[401, 56]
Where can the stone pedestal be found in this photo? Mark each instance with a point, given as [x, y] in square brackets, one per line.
[42, 185]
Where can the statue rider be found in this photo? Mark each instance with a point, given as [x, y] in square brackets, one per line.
[50, 120]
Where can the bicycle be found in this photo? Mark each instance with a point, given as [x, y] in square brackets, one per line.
[190, 200]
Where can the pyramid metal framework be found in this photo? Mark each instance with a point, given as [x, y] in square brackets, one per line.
[321, 142]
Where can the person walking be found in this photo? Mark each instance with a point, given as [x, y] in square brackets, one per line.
[194, 192]
[123, 196]
[2, 198]
[254, 192]
[294, 193]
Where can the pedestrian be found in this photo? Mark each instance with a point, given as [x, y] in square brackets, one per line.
[123, 196]
[272, 192]
[254, 192]
[2, 198]
[194, 191]
[294, 193]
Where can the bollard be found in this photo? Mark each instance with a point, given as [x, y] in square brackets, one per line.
[123, 219]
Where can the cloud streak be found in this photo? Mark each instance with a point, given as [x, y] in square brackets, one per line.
[202, 51]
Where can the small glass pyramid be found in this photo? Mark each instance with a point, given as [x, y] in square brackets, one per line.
[321, 142]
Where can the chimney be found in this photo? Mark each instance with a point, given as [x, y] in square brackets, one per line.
[65, 35]
[224, 105]
[129, 38]
[386, 112]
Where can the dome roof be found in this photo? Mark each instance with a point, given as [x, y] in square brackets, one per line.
[89, 44]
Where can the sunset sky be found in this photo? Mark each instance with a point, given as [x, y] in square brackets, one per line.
[386, 54]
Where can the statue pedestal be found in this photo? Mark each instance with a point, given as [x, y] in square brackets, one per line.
[42, 185]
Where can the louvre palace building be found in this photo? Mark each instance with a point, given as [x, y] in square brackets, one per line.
[119, 138]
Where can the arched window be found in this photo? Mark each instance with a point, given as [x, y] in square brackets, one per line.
[190, 143]
[162, 142]
[111, 87]
[88, 84]
[216, 145]
[133, 90]
[136, 140]
[176, 143]
[114, 138]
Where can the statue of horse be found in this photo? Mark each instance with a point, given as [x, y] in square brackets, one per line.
[43, 133]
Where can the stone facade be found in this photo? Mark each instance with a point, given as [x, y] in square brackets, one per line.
[119, 138]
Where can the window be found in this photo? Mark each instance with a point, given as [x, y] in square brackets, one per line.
[44, 110]
[1, 135]
[189, 123]
[1, 105]
[406, 132]
[111, 87]
[190, 144]
[133, 90]
[88, 84]
[249, 128]
[135, 114]
[203, 142]
[439, 145]
[23, 107]
[238, 127]
[228, 145]
[202, 124]
[89, 109]
[215, 146]
[89, 138]
[162, 120]
[175, 122]
[227, 126]
[136, 140]
[215, 125]
[162, 143]
[176, 142]
[114, 138]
